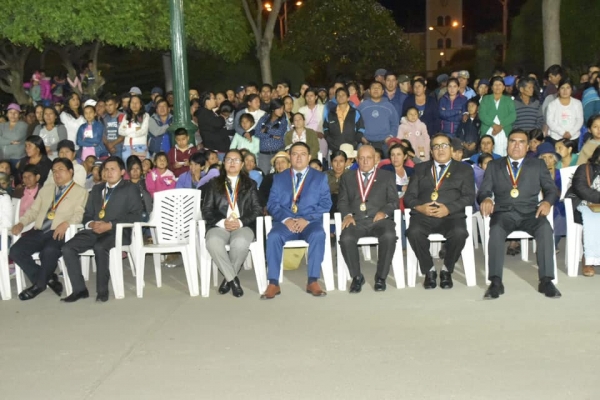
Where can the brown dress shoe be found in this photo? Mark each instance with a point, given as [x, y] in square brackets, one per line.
[315, 290]
[588, 270]
[271, 292]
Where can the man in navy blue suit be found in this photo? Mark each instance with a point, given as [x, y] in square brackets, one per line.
[299, 197]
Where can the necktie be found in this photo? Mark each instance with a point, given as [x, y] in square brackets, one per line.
[366, 180]
[108, 191]
[298, 179]
[442, 168]
[515, 165]
[61, 188]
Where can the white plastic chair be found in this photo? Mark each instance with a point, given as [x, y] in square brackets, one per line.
[174, 216]
[477, 229]
[5, 292]
[467, 254]
[326, 266]
[256, 259]
[574, 246]
[397, 261]
[524, 237]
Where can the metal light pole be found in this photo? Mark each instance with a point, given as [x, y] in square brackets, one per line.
[181, 109]
[283, 19]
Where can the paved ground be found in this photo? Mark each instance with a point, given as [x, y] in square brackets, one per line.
[401, 344]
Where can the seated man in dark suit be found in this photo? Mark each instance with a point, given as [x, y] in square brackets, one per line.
[510, 193]
[299, 197]
[437, 194]
[367, 200]
[107, 205]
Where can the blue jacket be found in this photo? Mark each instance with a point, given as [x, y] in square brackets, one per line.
[397, 101]
[381, 119]
[451, 112]
[265, 130]
[184, 181]
[95, 141]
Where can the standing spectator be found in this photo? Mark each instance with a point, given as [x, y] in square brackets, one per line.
[112, 140]
[253, 108]
[158, 125]
[497, 114]
[90, 135]
[283, 90]
[343, 124]
[380, 118]
[134, 127]
[554, 74]
[265, 97]
[179, 156]
[270, 131]
[468, 130]
[313, 115]
[527, 107]
[300, 133]
[463, 84]
[35, 154]
[212, 126]
[72, 116]
[393, 92]
[564, 116]
[591, 99]
[429, 112]
[160, 178]
[452, 106]
[51, 132]
[154, 93]
[12, 135]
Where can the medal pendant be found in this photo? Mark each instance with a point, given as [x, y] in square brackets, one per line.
[101, 214]
[363, 207]
[51, 215]
[434, 196]
[294, 208]
[514, 193]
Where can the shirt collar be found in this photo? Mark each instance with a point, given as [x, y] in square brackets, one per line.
[437, 164]
[302, 172]
[520, 161]
[114, 186]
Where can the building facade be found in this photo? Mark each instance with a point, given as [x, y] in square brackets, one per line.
[443, 36]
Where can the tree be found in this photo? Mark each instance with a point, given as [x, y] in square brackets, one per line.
[263, 38]
[12, 69]
[349, 37]
[216, 27]
[551, 26]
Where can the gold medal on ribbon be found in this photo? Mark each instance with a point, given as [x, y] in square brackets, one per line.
[232, 195]
[101, 214]
[51, 215]
[514, 193]
[57, 200]
[294, 208]
[363, 207]
[297, 189]
[438, 181]
[434, 195]
[364, 191]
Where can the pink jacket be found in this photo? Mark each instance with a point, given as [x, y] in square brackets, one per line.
[416, 133]
[157, 183]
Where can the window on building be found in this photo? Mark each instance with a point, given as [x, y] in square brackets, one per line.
[440, 64]
[448, 43]
[440, 21]
[440, 43]
[447, 21]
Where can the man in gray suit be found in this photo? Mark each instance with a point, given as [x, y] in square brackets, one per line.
[367, 200]
[510, 193]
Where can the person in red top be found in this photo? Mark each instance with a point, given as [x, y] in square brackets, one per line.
[179, 156]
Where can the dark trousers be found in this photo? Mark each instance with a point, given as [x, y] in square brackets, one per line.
[84, 241]
[36, 241]
[503, 223]
[385, 232]
[453, 229]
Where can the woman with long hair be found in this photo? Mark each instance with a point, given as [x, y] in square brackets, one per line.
[270, 129]
[35, 151]
[134, 126]
[313, 115]
[72, 117]
[497, 114]
[564, 116]
[51, 131]
[212, 126]
[230, 209]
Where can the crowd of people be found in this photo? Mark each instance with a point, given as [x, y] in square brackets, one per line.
[263, 150]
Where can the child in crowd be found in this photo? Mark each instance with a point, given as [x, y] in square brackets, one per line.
[7, 218]
[468, 130]
[88, 164]
[147, 166]
[89, 135]
[96, 177]
[211, 167]
[160, 178]
[247, 140]
[316, 164]
[5, 168]
[29, 190]
[588, 148]
[179, 156]
[415, 131]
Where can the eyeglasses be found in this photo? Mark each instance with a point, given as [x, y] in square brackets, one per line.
[233, 160]
[437, 147]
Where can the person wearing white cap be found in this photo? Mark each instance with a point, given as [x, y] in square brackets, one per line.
[463, 81]
[12, 135]
[135, 90]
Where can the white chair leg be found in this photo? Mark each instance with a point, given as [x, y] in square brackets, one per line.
[157, 269]
[259, 269]
[468, 260]
[139, 275]
[525, 249]
[411, 266]
[366, 250]
[398, 266]
[65, 274]
[327, 266]
[116, 273]
[85, 267]
[20, 278]
[215, 271]
[475, 233]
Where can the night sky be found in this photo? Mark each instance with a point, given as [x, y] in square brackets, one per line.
[479, 16]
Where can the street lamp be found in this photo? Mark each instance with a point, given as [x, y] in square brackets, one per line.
[283, 19]
[444, 34]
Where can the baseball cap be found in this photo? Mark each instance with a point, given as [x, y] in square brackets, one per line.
[156, 90]
[13, 106]
[509, 80]
[484, 81]
[380, 72]
[457, 144]
[464, 74]
[90, 102]
[403, 79]
[239, 89]
[442, 78]
[135, 90]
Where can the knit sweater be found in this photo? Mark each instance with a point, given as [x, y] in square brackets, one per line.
[380, 118]
[177, 156]
[155, 182]
[529, 116]
[416, 133]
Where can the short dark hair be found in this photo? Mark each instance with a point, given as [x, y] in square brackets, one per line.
[251, 97]
[181, 132]
[8, 163]
[517, 132]
[377, 83]
[248, 117]
[482, 157]
[342, 89]
[337, 153]
[134, 160]
[555, 70]
[316, 161]
[65, 143]
[302, 144]
[64, 161]
[116, 159]
[390, 73]
[284, 82]
[30, 168]
[569, 143]
[252, 84]
[268, 85]
[160, 154]
[226, 106]
[535, 133]
[441, 134]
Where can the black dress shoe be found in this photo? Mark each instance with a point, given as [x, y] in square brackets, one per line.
[73, 297]
[446, 280]
[548, 289]
[430, 280]
[102, 297]
[31, 292]
[224, 287]
[236, 288]
[495, 289]
[357, 283]
[380, 285]
[55, 285]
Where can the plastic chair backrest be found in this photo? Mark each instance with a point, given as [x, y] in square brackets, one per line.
[172, 213]
[566, 178]
[16, 207]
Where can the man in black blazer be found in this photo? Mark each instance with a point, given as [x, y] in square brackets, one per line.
[510, 193]
[437, 194]
[107, 205]
[367, 200]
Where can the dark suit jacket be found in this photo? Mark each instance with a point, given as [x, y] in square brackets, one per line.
[383, 196]
[314, 200]
[534, 177]
[124, 205]
[456, 192]
[216, 205]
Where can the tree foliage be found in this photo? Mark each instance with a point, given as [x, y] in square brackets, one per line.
[350, 37]
[580, 41]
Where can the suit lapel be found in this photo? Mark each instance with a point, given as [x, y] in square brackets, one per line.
[430, 172]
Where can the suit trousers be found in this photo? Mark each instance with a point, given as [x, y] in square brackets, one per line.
[503, 223]
[313, 234]
[84, 241]
[37, 241]
[229, 263]
[385, 232]
[453, 229]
